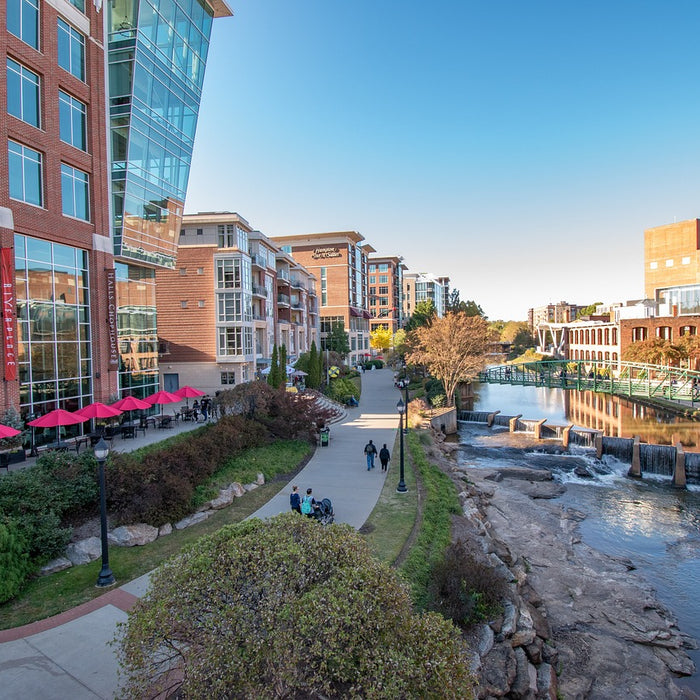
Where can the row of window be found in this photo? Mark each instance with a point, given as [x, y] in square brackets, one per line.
[640, 333]
[592, 355]
[382, 267]
[594, 336]
[26, 182]
[23, 22]
[669, 263]
[23, 102]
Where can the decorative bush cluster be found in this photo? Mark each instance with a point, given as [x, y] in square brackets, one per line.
[158, 487]
[34, 504]
[287, 608]
[465, 587]
[341, 390]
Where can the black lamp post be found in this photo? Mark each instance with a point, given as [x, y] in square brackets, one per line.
[405, 427]
[401, 408]
[106, 578]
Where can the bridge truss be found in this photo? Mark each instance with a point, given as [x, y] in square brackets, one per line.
[620, 378]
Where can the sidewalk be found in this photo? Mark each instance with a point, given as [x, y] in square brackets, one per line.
[69, 656]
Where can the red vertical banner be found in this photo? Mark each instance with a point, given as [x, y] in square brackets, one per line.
[8, 313]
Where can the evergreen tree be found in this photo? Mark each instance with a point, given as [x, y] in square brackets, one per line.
[314, 379]
[282, 376]
[274, 368]
[337, 340]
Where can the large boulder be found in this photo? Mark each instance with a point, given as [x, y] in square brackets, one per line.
[84, 551]
[193, 519]
[225, 498]
[133, 535]
[55, 565]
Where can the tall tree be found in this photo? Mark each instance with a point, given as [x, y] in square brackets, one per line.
[423, 315]
[314, 379]
[274, 368]
[400, 342]
[453, 349]
[380, 338]
[337, 340]
[282, 377]
[469, 307]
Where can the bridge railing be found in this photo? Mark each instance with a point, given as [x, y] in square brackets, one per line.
[621, 378]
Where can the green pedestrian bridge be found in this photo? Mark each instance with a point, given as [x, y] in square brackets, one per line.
[627, 379]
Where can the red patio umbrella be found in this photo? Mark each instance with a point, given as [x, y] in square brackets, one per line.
[163, 397]
[98, 410]
[55, 418]
[130, 403]
[189, 392]
[7, 432]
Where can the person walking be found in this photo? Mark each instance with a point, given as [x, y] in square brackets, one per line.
[370, 452]
[384, 457]
[308, 504]
[295, 499]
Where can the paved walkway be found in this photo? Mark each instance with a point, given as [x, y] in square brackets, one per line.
[69, 657]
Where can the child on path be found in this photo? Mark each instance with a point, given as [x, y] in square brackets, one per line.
[370, 451]
[384, 457]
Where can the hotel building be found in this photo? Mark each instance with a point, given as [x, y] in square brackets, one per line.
[88, 212]
[338, 260]
[233, 296]
[385, 282]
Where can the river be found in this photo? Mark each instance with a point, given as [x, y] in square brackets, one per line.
[647, 521]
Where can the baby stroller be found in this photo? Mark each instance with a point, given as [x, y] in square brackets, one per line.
[323, 511]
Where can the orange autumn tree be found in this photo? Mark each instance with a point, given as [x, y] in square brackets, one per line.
[452, 348]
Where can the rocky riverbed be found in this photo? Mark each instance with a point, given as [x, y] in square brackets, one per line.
[579, 623]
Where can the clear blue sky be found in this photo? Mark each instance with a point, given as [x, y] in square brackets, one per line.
[519, 147]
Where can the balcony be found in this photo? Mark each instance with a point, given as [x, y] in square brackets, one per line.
[259, 291]
[283, 276]
[283, 300]
[296, 282]
[258, 261]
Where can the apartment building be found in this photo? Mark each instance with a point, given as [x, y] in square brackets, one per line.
[87, 212]
[233, 296]
[338, 260]
[672, 267]
[423, 286]
[385, 283]
[561, 312]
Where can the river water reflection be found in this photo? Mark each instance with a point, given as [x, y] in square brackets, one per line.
[615, 416]
[648, 521]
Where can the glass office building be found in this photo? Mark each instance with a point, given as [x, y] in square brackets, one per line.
[157, 51]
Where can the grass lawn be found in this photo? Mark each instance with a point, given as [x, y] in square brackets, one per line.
[49, 595]
[390, 525]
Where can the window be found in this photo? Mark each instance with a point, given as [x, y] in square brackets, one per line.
[23, 20]
[664, 332]
[639, 333]
[235, 341]
[233, 273]
[183, 304]
[383, 279]
[22, 93]
[200, 231]
[228, 377]
[384, 267]
[25, 174]
[80, 4]
[383, 290]
[234, 307]
[74, 192]
[688, 330]
[372, 267]
[200, 303]
[72, 121]
[653, 265]
[183, 271]
[200, 270]
[669, 263]
[227, 239]
[71, 50]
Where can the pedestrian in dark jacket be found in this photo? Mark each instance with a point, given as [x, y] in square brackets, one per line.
[384, 457]
[370, 452]
[295, 499]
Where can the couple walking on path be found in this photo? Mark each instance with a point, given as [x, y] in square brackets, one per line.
[371, 451]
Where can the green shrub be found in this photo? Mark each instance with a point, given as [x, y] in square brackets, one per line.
[342, 389]
[465, 587]
[14, 559]
[286, 608]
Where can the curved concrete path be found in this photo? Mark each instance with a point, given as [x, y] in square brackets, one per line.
[69, 656]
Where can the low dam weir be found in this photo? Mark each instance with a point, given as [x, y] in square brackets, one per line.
[661, 460]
